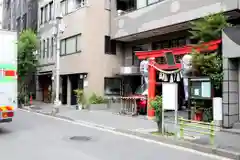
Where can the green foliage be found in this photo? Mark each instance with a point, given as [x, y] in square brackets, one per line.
[27, 45]
[209, 65]
[156, 104]
[204, 30]
[95, 99]
[80, 96]
[209, 28]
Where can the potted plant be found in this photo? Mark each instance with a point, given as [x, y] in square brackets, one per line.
[156, 104]
[97, 102]
[81, 101]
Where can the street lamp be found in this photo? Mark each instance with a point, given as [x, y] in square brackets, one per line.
[57, 30]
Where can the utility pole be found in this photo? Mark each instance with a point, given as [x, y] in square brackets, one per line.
[58, 18]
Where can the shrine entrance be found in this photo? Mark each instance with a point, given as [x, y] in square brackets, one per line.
[168, 62]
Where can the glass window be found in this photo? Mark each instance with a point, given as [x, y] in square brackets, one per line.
[51, 10]
[112, 86]
[70, 6]
[152, 1]
[141, 3]
[52, 46]
[44, 48]
[71, 45]
[63, 7]
[40, 49]
[41, 16]
[46, 13]
[78, 43]
[63, 44]
[48, 46]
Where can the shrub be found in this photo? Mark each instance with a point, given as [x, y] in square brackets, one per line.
[95, 99]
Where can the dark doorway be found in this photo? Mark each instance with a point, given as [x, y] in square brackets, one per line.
[64, 89]
[131, 83]
[76, 83]
[45, 83]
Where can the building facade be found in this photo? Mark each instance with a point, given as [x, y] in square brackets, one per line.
[20, 14]
[88, 56]
[160, 24]
[1, 14]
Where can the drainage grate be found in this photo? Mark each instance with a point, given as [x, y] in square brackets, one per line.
[80, 138]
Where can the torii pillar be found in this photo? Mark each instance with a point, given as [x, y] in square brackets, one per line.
[151, 88]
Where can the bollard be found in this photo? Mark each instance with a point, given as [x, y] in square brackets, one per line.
[181, 127]
[212, 133]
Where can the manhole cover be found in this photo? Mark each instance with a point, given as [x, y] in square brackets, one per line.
[80, 138]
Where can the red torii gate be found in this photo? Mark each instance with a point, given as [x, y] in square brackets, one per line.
[151, 55]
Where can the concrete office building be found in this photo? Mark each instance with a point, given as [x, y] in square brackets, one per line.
[88, 56]
[158, 24]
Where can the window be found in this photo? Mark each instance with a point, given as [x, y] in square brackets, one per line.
[41, 16]
[107, 4]
[44, 49]
[40, 49]
[24, 19]
[131, 5]
[79, 3]
[18, 25]
[46, 13]
[63, 7]
[110, 45]
[141, 3]
[71, 45]
[178, 42]
[52, 46]
[112, 86]
[51, 10]
[62, 47]
[48, 48]
[149, 2]
[135, 60]
[70, 6]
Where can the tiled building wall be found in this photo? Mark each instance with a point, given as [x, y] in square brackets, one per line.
[230, 92]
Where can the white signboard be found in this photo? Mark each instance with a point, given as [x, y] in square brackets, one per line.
[217, 109]
[170, 96]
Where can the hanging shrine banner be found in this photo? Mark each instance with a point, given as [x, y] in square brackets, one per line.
[166, 76]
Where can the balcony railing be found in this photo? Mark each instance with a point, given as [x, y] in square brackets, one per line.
[137, 5]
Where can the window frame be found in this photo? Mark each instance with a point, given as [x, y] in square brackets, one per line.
[51, 10]
[44, 47]
[52, 46]
[77, 50]
[40, 49]
[41, 15]
[48, 48]
[113, 78]
[46, 13]
[63, 2]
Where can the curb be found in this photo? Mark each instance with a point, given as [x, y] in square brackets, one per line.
[167, 140]
[231, 131]
[186, 144]
[47, 113]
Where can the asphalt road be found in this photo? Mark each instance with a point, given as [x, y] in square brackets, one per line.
[35, 137]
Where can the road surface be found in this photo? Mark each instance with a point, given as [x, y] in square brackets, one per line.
[35, 137]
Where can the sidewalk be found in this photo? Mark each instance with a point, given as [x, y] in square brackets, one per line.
[139, 124]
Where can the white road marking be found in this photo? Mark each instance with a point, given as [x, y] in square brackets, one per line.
[111, 130]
